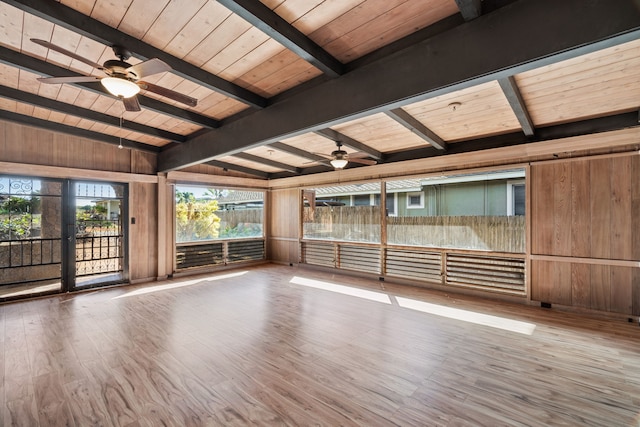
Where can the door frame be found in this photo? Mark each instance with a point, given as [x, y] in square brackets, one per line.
[69, 279]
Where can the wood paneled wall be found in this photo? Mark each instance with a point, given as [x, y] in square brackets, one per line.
[80, 158]
[143, 235]
[25, 144]
[283, 225]
[585, 236]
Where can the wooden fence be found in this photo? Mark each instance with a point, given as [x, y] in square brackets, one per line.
[362, 224]
[353, 223]
[240, 216]
[493, 233]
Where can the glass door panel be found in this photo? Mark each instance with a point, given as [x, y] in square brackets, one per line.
[99, 234]
[31, 251]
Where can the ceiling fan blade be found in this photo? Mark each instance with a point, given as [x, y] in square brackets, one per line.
[147, 68]
[358, 155]
[168, 93]
[318, 162]
[67, 52]
[131, 104]
[362, 161]
[72, 79]
[324, 155]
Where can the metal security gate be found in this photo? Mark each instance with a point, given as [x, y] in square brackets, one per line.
[31, 254]
[96, 234]
[60, 235]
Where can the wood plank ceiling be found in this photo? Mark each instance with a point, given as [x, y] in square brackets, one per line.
[278, 82]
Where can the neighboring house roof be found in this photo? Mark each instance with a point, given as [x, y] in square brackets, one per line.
[369, 188]
[416, 184]
[238, 197]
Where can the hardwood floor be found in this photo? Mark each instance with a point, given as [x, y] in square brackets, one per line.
[276, 345]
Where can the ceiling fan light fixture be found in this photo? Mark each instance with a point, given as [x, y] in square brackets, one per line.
[339, 163]
[120, 87]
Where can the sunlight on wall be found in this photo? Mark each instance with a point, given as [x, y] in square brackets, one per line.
[174, 285]
[425, 307]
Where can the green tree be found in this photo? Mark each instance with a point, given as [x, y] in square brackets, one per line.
[17, 205]
[195, 220]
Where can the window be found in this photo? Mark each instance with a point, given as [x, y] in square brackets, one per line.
[217, 213]
[392, 204]
[465, 211]
[515, 198]
[362, 200]
[357, 219]
[415, 200]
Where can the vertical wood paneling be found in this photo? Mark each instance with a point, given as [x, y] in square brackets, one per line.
[283, 223]
[580, 209]
[561, 209]
[561, 283]
[542, 280]
[143, 162]
[593, 207]
[621, 222]
[542, 209]
[621, 289]
[600, 208]
[635, 292]
[143, 235]
[25, 144]
[635, 232]
[581, 285]
[601, 287]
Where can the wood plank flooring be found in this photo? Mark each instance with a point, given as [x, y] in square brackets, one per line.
[277, 345]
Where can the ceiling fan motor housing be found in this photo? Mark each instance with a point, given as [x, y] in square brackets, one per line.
[339, 154]
[116, 68]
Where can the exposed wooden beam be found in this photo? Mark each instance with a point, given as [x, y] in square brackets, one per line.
[267, 162]
[72, 130]
[511, 91]
[515, 38]
[52, 104]
[565, 130]
[347, 141]
[36, 66]
[411, 123]
[298, 152]
[82, 24]
[263, 18]
[243, 169]
[470, 9]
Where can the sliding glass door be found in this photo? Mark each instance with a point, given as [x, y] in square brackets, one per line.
[60, 235]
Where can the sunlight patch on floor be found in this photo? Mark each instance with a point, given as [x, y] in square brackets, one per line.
[468, 316]
[425, 307]
[341, 289]
[11, 291]
[181, 284]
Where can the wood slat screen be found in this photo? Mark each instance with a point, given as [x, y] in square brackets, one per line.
[414, 264]
[245, 250]
[318, 254]
[485, 271]
[197, 255]
[359, 258]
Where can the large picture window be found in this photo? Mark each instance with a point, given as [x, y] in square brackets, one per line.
[483, 211]
[217, 213]
[345, 212]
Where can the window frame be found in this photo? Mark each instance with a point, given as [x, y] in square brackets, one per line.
[413, 194]
[511, 200]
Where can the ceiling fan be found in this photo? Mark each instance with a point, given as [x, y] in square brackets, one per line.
[123, 79]
[340, 158]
